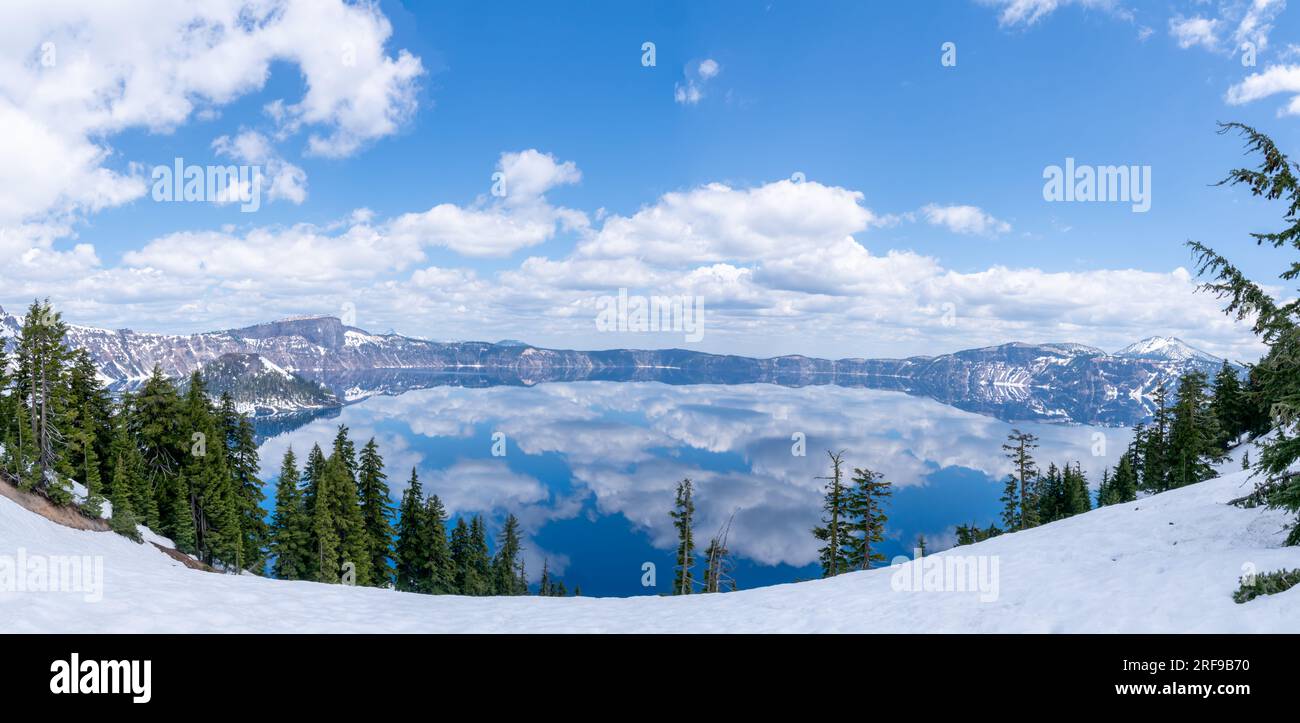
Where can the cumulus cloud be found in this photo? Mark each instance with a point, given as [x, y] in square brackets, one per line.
[782, 267]
[68, 83]
[516, 216]
[1274, 80]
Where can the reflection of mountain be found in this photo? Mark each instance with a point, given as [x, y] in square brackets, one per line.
[1048, 382]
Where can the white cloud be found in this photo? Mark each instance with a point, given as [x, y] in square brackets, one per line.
[518, 218]
[1271, 81]
[1194, 31]
[690, 90]
[69, 82]
[287, 181]
[1029, 12]
[782, 267]
[964, 220]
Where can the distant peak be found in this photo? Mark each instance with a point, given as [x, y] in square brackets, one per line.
[1163, 347]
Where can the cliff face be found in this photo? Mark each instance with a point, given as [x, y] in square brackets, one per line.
[1045, 382]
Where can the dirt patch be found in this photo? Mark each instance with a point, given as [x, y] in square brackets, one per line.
[65, 515]
[182, 558]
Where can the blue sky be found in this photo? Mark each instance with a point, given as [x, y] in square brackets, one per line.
[920, 225]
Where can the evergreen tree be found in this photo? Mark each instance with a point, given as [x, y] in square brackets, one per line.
[290, 537]
[718, 565]
[1274, 383]
[464, 559]
[832, 532]
[866, 518]
[1011, 503]
[1019, 450]
[344, 509]
[1155, 446]
[441, 571]
[683, 515]
[410, 555]
[244, 465]
[376, 511]
[480, 559]
[1194, 437]
[507, 567]
[39, 384]
[123, 520]
[1228, 405]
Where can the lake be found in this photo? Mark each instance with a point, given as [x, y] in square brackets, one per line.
[590, 467]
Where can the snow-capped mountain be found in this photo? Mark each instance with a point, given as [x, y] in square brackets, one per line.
[1016, 381]
[1169, 348]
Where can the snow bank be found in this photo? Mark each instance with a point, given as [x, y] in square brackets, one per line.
[1167, 563]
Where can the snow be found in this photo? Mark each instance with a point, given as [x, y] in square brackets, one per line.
[1165, 563]
[1169, 348]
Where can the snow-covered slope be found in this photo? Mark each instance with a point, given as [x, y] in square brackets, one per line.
[1168, 348]
[1168, 563]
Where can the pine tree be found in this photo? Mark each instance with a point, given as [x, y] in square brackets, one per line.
[920, 546]
[866, 518]
[39, 383]
[410, 555]
[441, 571]
[123, 520]
[1019, 451]
[376, 511]
[506, 566]
[1274, 383]
[464, 554]
[1010, 504]
[832, 532]
[1155, 446]
[480, 558]
[1228, 405]
[1193, 443]
[244, 465]
[349, 524]
[683, 515]
[289, 536]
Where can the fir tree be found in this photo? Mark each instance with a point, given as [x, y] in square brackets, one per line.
[1019, 450]
[506, 566]
[832, 532]
[410, 555]
[1193, 443]
[866, 513]
[683, 515]
[289, 535]
[123, 520]
[376, 511]
[441, 571]
[1274, 383]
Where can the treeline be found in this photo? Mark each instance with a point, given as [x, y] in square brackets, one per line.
[169, 457]
[1177, 448]
[181, 464]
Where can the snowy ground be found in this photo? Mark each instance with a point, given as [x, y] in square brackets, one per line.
[1167, 563]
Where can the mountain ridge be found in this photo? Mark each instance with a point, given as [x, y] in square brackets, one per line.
[1063, 382]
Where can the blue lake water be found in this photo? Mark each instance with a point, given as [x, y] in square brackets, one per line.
[590, 467]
